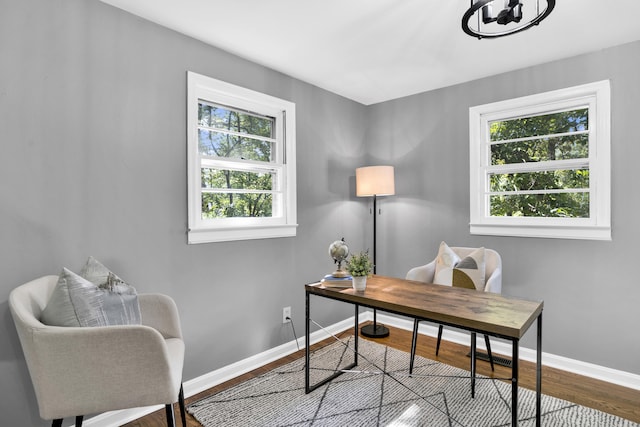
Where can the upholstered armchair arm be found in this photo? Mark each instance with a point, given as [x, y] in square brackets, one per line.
[423, 273]
[74, 369]
[494, 283]
[161, 313]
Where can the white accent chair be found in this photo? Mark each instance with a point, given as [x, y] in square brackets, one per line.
[493, 283]
[78, 371]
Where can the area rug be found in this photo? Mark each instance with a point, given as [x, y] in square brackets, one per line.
[436, 395]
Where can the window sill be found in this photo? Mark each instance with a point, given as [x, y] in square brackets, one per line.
[543, 231]
[210, 235]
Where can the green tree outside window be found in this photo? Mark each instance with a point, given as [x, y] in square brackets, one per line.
[231, 134]
[555, 192]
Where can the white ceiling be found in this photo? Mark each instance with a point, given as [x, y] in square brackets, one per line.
[376, 50]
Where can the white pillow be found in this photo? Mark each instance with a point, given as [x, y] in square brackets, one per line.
[445, 262]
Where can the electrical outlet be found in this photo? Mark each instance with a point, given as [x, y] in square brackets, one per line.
[286, 312]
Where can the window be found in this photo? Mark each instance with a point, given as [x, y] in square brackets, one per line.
[540, 165]
[241, 163]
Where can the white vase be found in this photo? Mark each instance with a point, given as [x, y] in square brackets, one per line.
[359, 283]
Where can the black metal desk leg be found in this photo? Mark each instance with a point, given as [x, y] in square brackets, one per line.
[473, 365]
[539, 372]
[355, 333]
[514, 382]
[414, 344]
[307, 357]
[308, 387]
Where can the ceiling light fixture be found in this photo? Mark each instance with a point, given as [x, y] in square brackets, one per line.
[486, 18]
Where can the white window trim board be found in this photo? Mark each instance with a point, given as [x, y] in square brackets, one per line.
[598, 227]
[201, 87]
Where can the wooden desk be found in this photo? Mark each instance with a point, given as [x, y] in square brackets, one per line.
[479, 312]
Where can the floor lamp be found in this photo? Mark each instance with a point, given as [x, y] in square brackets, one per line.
[374, 181]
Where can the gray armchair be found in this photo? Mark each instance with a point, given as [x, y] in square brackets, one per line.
[86, 370]
[493, 283]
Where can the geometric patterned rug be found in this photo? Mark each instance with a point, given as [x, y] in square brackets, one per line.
[436, 395]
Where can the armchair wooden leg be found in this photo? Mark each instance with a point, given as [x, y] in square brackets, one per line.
[414, 343]
[439, 339]
[170, 418]
[58, 422]
[183, 412]
[488, 344]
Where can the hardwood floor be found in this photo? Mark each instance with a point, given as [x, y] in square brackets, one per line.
[585, 391]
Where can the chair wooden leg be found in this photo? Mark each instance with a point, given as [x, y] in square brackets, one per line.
[58, 422]
[183, 411]
[488, 344]
[170, 418]
[414, 343]
[439, 339]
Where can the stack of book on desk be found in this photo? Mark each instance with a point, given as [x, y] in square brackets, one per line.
[330, 281]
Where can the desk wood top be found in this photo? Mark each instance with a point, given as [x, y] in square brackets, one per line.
[466, 308]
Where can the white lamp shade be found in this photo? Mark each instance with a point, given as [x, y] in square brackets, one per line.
[375, 181]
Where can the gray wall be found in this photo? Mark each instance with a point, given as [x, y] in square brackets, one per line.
[590, 288]
[93, 162]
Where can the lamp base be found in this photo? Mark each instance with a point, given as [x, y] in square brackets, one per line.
[374, 330]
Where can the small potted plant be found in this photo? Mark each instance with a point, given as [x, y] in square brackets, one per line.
[359, 266]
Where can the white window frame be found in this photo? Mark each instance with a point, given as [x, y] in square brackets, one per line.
[283, 222]
[595, 96]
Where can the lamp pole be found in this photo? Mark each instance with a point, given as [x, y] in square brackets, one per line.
[375, 181]
[375, 198]
[374, 330]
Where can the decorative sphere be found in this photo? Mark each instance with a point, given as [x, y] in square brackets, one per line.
[339, 251]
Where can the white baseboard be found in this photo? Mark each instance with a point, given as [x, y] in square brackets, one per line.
[228, 372]
[213, 378]
[622, 378]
